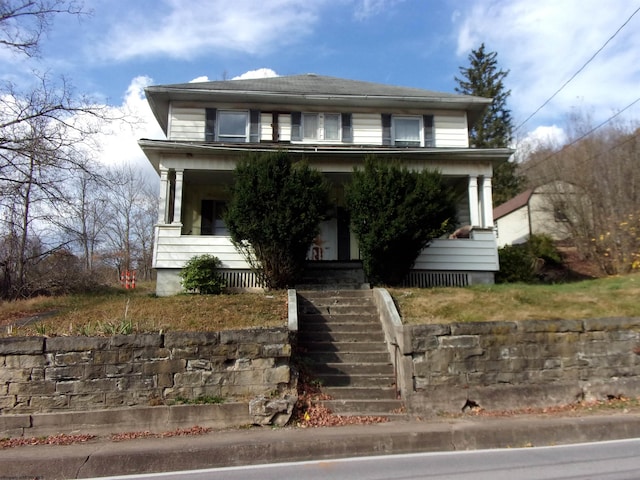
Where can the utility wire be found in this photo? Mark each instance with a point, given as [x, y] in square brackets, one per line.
[550, 156]
[579, 70]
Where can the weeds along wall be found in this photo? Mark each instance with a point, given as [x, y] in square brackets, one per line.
[39, 374]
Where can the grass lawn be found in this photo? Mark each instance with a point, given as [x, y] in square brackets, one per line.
[605, 297]
[130, 311]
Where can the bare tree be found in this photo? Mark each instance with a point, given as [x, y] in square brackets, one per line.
[601, 209]
[132, 212]
[22, 22]
[44, 130]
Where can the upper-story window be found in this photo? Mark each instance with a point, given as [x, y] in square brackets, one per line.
[238, 126]
[408, 131]
[232, 126]
[321, 127]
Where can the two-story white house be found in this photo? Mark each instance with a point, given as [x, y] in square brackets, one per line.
[334, 124]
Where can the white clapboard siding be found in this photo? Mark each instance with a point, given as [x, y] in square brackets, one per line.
[187, 124]
[284, 123]
[367, 129]
[451, 131]
[266, 131]
[464, 254]
[174, 252]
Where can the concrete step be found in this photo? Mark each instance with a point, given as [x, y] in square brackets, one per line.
[364, 407]
[309, 285]
[372, 369]
[343, 347]
[336, 327]
[307, 337]
[361, 393]
[317, 318]
[338, 380]
[347, 357]
[336, 301]
[334, 310]
[334, 294]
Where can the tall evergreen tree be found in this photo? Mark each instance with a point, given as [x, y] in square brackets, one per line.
[494, 129]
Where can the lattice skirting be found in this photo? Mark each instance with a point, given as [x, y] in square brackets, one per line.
[242, 279]
[425, 279]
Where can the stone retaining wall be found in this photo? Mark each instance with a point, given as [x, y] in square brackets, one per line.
[499, 365]
[39, 374]
[511, 365]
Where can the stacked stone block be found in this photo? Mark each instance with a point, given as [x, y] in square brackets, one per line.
[39, 374]
[521, 364]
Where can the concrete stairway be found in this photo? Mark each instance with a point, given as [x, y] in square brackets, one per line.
[343, 344]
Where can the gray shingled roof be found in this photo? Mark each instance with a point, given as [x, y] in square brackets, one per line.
[310, 84]
[310, 89]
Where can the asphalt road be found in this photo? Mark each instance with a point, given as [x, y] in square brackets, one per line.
[614, 460]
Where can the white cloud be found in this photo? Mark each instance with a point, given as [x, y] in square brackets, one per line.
[259, 73]
[119, 142]
[540, 138]
[543, 43]
[368, 8]
[202, 78]
[185, 29]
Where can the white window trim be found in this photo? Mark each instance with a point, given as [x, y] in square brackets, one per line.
[320, 136]
[219, 123]
[419, 118]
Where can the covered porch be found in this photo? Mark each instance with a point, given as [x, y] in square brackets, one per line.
[195, 189]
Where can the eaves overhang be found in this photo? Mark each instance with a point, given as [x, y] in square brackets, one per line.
[156, 149]
[380, 97]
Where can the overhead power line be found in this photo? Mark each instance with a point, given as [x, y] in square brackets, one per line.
[583, 136]
[579, 70]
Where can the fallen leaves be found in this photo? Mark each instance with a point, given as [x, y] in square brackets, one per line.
[61, 439]
[180, 432]
[612, 402]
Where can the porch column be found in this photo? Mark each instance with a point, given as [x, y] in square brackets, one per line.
[164, 191]
[177, 203]
[487, 203]
[474, 214]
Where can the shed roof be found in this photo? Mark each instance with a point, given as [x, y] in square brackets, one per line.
[512, 205]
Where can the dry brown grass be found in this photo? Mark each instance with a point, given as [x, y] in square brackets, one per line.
[607, 297]
[119, 311]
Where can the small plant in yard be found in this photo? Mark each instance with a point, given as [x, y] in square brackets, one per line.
[200, 275]
[123, 327]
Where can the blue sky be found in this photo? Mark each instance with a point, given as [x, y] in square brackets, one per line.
[124, 45]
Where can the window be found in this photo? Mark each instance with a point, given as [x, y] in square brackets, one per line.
[406, 131]
[331, 127]
[232, 126]
[310, 126]
[319, 126]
